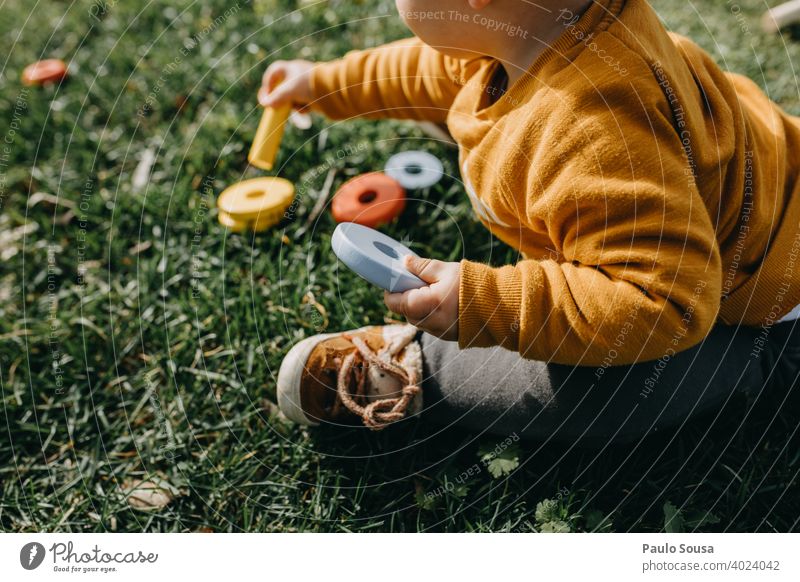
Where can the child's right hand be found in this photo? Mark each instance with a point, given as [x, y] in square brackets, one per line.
[286, 82]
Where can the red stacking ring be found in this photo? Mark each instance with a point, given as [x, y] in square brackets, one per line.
[369, 199]
[46, 71]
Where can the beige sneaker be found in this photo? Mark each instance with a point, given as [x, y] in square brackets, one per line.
[370, 374]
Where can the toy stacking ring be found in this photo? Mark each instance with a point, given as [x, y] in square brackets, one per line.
[255, 204]
[370, 200]
[414, 169]
[375, 257]
[46, 71]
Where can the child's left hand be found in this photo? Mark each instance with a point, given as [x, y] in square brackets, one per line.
[433, 308]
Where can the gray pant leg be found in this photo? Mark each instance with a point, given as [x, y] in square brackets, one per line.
[498, 391]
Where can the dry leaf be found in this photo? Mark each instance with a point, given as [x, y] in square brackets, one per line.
[141, 247]
[148, 495]
[50, 199]
[10, 236]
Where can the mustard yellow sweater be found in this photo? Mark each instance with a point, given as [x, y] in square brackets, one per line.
[649, 192]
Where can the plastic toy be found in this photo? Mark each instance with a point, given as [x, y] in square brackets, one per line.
[260, 203]
[375, 257]
[369, 199]
[301, 121]
[781, 16]
[415, 169]
[255, 204]
[46, 71]
[268, 137]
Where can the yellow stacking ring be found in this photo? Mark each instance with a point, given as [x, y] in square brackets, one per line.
[255, 204]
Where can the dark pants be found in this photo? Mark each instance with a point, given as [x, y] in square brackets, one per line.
[495, 390]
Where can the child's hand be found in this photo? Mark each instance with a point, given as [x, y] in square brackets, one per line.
[433, 308]
[286, 82]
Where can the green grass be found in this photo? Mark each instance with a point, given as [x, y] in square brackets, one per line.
[139, 341]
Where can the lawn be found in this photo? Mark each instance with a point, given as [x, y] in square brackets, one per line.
[140, 341]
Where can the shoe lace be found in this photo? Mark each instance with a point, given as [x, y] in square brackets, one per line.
[380, 413]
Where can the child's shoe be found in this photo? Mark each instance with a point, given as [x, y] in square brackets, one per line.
[372, 374]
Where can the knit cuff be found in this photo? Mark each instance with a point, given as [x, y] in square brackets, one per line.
[489, 306]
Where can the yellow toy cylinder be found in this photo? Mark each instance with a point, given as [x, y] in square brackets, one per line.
[268, 137]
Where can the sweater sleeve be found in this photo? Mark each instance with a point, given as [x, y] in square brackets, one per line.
[637, 271]
[406, 79]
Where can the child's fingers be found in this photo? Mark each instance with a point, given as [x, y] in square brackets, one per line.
[274, 74]
[414, 305]
[429, 270]
[279, 96]
[394, 301]
[269, 94]
[263, 96]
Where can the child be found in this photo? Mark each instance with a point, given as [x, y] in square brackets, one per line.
[654, 198]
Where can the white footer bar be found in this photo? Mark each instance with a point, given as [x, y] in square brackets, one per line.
[400, 557]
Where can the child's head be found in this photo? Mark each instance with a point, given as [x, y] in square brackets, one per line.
[464, 28]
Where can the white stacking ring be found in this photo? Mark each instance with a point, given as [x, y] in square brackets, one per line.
[415, 169]
[301, 121]
[375, 257]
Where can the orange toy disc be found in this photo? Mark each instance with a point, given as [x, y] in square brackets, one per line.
[370, 199]
[46, 71]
